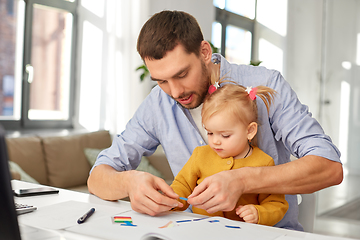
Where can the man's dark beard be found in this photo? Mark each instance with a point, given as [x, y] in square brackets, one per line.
[204, 86]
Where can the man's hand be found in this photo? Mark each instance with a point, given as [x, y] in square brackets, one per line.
[219, 192]
[142, 188]
[248, 213]
[145, 197]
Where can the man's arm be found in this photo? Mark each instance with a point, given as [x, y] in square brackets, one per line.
[305, 175]
[141, 187]
[221, 191]
[107, 183]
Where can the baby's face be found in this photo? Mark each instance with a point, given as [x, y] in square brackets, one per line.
[227, 136]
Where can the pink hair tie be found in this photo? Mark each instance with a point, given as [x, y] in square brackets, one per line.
[252, 92]
[213, 87]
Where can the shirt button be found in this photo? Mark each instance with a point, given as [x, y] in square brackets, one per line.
[229, 162]
[201, 142]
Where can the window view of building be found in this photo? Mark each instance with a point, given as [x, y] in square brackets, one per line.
[8, 22]
[50, 63]
[36, 63]
[234, 31]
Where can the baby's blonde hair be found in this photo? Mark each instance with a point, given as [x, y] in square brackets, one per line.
[232, 100]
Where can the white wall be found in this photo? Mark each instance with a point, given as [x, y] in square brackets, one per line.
[315, 47]
[343, 45]
[303, 51]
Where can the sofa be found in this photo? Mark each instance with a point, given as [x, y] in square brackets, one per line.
[65, 161]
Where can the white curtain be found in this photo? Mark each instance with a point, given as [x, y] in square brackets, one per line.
[108, 87]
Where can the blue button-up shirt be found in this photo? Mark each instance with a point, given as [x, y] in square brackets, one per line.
[288, 129]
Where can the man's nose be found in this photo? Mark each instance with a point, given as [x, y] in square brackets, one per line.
[176, 89]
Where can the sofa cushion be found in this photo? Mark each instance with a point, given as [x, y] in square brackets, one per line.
[23, 176]
[160, 162]
[144, 166]
[65, 159]
[91, 155]
[15, 175]
[27, 152]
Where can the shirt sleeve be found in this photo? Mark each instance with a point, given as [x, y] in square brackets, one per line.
[272, 208]
[139, 138]
[293, 124]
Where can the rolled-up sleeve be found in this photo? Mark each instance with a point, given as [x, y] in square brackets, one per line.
[293, 124]
[138, 139]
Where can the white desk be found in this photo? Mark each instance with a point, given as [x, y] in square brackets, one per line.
[67, 195]
[63, 196]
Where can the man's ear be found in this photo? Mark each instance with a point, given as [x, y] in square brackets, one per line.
[206, 51]
[252, 130]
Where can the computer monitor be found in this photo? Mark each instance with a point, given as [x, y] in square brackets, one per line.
[9, 228]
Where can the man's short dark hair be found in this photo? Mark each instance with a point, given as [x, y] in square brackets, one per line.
[165, 30]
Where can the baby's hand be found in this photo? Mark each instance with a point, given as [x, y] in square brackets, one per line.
[248, 213]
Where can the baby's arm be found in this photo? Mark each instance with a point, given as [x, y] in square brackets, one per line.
[185, 181]
[270, 211]
[248, 212]
[183, 191]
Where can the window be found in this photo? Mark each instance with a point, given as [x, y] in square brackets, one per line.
[245, 8]
[11, 19]
[251, 30]
[233, 29]
[36, 69]
[238, 44]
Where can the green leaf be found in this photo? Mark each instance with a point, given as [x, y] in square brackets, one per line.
[255, 63]
[145, 72]
[142, 67]
[214, 49]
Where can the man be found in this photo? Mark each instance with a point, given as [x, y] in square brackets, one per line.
[172, 47]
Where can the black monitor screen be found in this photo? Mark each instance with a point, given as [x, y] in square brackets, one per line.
[9, 228]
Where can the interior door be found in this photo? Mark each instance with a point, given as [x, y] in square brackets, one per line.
[340, 110]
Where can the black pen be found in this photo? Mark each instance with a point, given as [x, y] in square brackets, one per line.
[86, 216]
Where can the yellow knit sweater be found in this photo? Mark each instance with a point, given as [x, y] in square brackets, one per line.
[205, 162]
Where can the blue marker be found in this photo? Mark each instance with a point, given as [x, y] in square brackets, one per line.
[213, 221]
[199, 219]
[182, 198]
[86, 216]
[182, 221]
[228, 226]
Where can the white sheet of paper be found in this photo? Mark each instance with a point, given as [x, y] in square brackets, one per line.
[147, 227]
[66, 214]
[307, 236]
